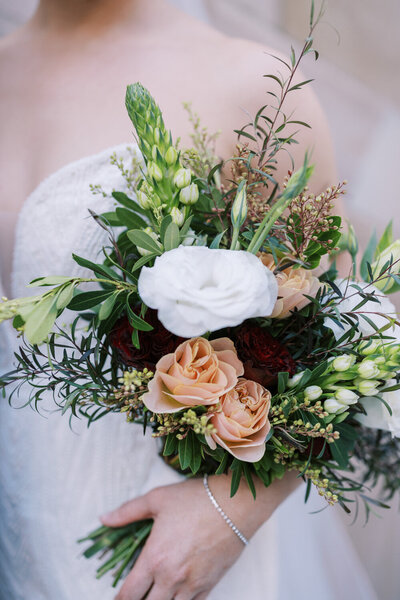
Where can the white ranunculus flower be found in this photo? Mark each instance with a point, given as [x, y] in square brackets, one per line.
[196, 289]
[352, 299]
[378, 416]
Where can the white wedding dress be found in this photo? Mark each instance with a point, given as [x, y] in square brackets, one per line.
[56, 481]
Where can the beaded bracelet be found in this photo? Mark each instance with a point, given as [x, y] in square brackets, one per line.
[221, 512]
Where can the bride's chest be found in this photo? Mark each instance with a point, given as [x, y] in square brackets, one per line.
[54, 111]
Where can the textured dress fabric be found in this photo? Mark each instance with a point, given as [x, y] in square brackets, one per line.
[55, 480]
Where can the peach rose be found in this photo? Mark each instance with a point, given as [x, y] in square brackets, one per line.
[242, 425]
[293, 283]
[198, 373]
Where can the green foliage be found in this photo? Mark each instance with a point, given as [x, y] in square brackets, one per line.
[123, 543]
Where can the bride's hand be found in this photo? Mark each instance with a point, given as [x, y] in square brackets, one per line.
[190, 546]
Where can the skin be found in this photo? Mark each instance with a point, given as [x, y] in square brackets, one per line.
[66, 73]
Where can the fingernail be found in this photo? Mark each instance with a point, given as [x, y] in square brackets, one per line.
[106, 517]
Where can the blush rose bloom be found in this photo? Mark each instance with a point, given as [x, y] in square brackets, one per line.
[293, 283]
[242, 425]
[198, 373]
[196, 289]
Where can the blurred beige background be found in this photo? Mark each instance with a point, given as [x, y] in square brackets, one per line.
[358, 83]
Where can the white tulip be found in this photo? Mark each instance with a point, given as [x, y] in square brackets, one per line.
[144, 200]
[367, 347]
[293, 381]
[154, 171]
[177, 215]
[313, 392]
[182, 178]
[189, 194]
[367, 369]
[344, 362]
[346, 397]
[367, 387]
[196, 289]
[333, 407]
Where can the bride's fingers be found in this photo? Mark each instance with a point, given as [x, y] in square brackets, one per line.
[138, 583]
[189, 596]
[160, 592]
[134, 510]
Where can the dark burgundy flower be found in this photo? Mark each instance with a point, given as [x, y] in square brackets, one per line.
[317, 447]
[262, 355]
[153, 344]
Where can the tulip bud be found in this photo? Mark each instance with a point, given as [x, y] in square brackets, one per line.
[154, 171]
[333, 407]
[344, 362]
[189, 194]
[367, 369]
[367, 347]
[367, 387]
[177, 215]
[144, 200]
[346, 397]
[182, 178]
[170, 156]
[352, 242]
[239, 206]
[293, 381]
[151, 233]
[313, 392]
[390, 255]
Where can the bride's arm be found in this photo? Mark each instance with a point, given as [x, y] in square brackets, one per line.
[191, 546]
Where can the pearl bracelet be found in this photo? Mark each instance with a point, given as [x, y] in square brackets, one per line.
[221, 512]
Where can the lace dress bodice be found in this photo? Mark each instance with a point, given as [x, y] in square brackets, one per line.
[55, 480]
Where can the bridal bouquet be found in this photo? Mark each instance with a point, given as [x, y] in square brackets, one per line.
[216, 323]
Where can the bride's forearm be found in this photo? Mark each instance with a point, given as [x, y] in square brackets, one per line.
[246, 513]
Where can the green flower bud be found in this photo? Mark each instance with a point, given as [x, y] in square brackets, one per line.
[346, 397]
[178, 216]
[367, 387]
[151, 233]
[352, 242]
[189, 194]
[239, 206]
[293, 381]
[367, 347]
[154, 152]
[144, 200]
[171, 156]
[391, 254]
[154, 171]
[313, 392]
[344, 362]
[367, 369]
[333, 407]
[182, 178]
[157, 135]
